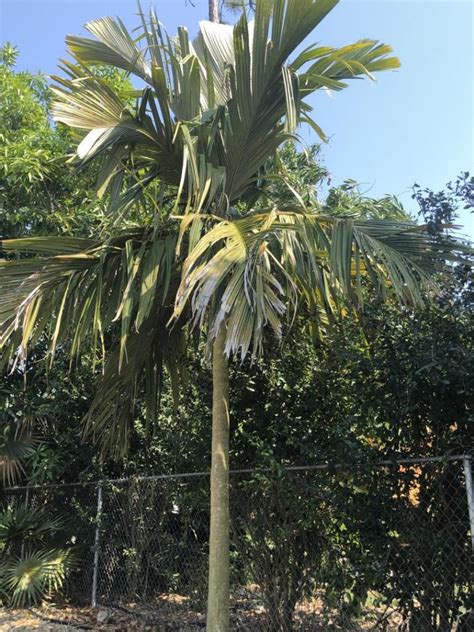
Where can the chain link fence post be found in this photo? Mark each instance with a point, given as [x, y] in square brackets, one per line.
[470, 495]
[27, 502]
[95, 572]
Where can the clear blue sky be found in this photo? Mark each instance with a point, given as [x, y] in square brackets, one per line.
[415, 124]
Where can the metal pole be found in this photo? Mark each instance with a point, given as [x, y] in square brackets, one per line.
[98, 516]
[470, 495]
[291, 468]
[27, 502]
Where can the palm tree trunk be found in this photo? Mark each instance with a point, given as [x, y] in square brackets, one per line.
[214, 10]
[219, 562]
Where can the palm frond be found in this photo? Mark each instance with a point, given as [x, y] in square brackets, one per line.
[34, 575]
[17, 445]
[84, 291]
[147, 352]
[261, 86]
[124, 287]
[253, 273]
[112, 46]
[31, 568]
[22, 523]
[212, 111]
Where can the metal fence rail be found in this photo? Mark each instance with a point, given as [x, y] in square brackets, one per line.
[386, 546]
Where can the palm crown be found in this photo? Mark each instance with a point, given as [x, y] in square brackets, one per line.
[210, 115]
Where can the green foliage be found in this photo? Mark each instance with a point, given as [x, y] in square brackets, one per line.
[22, 109]
[177, 560]
[21, 523]
[31, 567]
[440, 210]
[293, 169]
[34, 575]
[8, 55]
[37, 192]
[44, 409]
[347, 199]
[16, 446]
[40, 193]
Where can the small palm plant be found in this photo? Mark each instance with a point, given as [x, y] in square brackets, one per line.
[196, 246]
[32, 566]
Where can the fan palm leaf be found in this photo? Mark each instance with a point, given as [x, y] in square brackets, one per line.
[21, 523]
[31, 568]
[17, 445]
[34, 575]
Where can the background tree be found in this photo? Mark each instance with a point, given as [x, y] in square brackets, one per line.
[40, 195]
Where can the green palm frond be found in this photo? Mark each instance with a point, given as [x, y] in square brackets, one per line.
[124, 287]
[31, 568]
[23, 523]
[17, 445]
[34, 575]
[83, 291]
[266, 86]
[253, 273]
[112, 46]
[212, 111]
[150, 350]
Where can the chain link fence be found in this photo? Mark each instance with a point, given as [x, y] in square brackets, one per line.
[359, 547]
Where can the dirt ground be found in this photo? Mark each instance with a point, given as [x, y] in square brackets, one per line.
[142, 618]
[51, 619]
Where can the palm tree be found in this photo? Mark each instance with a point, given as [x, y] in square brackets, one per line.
[195, 244]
